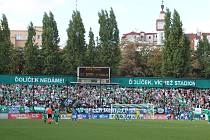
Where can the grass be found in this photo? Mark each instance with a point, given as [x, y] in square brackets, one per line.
[104, 130]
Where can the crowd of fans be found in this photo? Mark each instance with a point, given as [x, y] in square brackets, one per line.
[103, 96]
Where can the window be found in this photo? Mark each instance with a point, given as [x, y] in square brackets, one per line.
[20, 37]
[38, 36]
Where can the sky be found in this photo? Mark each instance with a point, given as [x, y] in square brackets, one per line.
[131, 15]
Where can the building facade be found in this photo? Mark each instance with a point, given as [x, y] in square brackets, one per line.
[194, 39]
[148, 39]
[19, 37]
[157, 39]
[141, 37]
[160, 22]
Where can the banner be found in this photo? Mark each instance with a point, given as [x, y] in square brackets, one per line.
[21, 109]
[93, 110]
[4, 109]
[122, 116]
[101, 116]
[184, 115]
[14, 109]
[143, 116]
[94, 116]
[104, 110]
[150, 82]
[25, 116]
[39, 109]
[65, 116]
[3, 116]
[36, 80]
[158, 117]
[198, 111]
[155, 82]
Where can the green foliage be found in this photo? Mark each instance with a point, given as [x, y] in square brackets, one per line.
[91, 51]
[203, 56]
[50, 48]
[31, 53]
[17, 58]
[104, 52]
[74, 51]
[128, 65]
[167, 50]
[176, 51]
[153, 62]
[5, 47]
[167, 25]
[186, 54]
[138, 63]
[110, 53]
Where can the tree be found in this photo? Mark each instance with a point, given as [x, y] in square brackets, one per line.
[103, 38]
[17, 58]
[186, 53]
[50, 48]
[176, 51]
[91, 51]
[110, 53]
[181, 45]
[31, 55]
[153, 63]
[135, 63]
[167, 49]
[5, 47]
[74, 51]
[128, 65]
[203, 56]
[114, 33]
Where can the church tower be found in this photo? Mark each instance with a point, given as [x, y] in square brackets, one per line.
[160, 26]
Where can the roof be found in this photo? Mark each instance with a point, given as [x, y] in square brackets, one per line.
[137, 33]
[206, 34]
[192, 36]
[131, 33]
[150, 33]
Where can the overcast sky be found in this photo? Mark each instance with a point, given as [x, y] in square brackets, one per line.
[132, 15]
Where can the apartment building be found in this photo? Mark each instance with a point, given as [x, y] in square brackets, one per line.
[19, 37]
